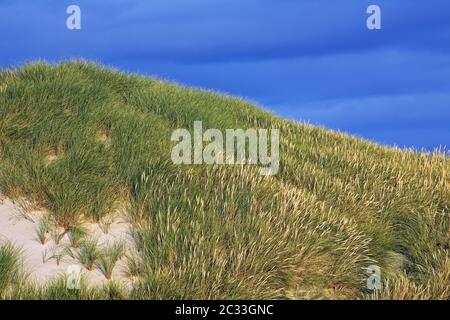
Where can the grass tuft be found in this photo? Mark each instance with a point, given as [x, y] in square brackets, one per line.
[76, 235]
[88, 253]
[109, 257]
[43, 229]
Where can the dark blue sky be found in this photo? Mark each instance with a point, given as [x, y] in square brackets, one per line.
[310, 60]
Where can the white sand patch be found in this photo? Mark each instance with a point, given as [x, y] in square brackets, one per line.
[50, 158]
[20, 231]
[103, 137]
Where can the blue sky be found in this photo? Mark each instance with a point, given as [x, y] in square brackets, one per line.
[310, 60]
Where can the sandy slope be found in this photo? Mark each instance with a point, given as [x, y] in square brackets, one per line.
[21, 231]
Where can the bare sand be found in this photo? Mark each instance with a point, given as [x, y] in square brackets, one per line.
[21, 231]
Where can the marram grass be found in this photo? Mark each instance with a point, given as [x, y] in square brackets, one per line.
[10, 265]
[80, 140]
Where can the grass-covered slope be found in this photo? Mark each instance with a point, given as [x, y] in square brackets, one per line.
[80, 140]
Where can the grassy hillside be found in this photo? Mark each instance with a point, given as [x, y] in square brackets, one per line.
[80, 140]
